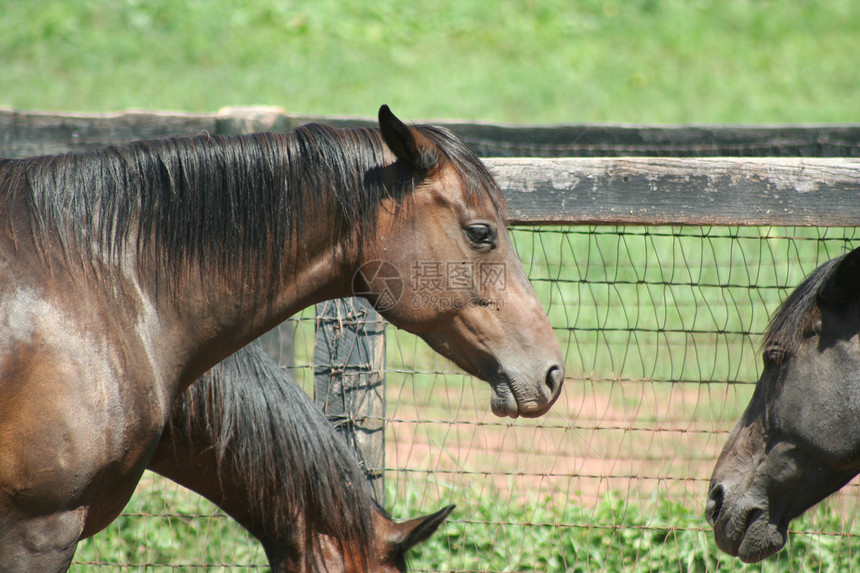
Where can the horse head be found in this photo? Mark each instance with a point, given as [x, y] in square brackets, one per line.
[799, 439]
[442, 266]
[392, 540]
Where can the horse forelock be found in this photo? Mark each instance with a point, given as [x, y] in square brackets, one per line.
[296, 467]
[788, 324]
[476, 178]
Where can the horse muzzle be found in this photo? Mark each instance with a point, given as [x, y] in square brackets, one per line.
[514, 397]
[743, 527]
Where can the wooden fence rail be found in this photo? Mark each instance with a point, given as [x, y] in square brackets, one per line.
[689, 191]
[716, 175]
[27, 133]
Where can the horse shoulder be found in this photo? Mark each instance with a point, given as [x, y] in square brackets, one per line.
[64, 383]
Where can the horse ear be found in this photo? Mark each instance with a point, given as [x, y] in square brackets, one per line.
[844, 282]
[410, 533]
[407, 145]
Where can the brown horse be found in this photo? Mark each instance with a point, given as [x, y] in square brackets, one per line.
[127, 272]
[250, 440]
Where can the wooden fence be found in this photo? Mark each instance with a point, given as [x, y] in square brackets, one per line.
[577, 174]
[784, 175]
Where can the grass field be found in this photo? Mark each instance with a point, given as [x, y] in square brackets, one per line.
[666, 537]
[523, 61]
[657, 325]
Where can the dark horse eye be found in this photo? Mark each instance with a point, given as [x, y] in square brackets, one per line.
[774, 356]
[480, 234]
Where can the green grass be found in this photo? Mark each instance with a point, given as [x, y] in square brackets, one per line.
[655, 290]
[189, 534]
[524, 61]
[614, 536]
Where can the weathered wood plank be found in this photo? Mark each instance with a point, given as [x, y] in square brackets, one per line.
[661, 141]
[664, 191]
[694, 190]
[608, 140]
[24, 134]
[31, 133]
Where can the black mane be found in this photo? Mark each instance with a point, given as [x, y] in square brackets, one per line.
[226, 203]
[480, 184]
[791, 319]
[296, 467]
[227, 206]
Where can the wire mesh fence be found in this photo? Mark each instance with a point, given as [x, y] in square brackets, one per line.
[660, 328]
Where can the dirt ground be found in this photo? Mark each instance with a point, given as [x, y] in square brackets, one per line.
[633, 438]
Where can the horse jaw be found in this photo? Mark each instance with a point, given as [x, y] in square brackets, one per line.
[513, 392]
[756, 490]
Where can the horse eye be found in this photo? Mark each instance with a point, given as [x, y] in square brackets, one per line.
[773, 356]
[815, 327]
[480, 234]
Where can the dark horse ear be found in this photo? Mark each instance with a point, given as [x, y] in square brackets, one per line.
[409, 146]
[844, 282]
[412, 532]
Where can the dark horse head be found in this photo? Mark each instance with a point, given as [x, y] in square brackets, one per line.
[249, 439]
[799, 439]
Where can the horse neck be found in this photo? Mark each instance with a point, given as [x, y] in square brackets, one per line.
[194, 463]
[219, 237]
[281, 249]
[218, 318]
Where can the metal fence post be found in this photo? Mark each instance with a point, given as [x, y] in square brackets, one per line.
[349, 382]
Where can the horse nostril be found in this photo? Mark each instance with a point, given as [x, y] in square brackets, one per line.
[715, 504]
[554, 380]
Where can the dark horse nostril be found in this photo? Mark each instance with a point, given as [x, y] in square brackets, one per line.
[554, 379]
[715, 504]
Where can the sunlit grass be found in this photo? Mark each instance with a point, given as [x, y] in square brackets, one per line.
[545, 61]
[530, 534]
